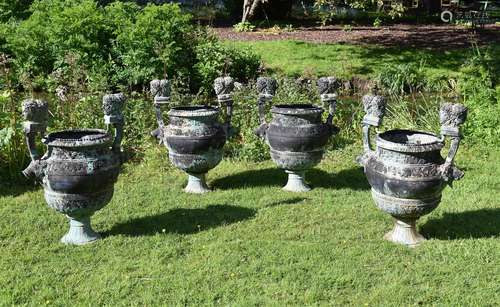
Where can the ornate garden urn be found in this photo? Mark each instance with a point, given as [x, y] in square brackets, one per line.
[80, 167]
[296, 135]
[194, 136]
[406, 171]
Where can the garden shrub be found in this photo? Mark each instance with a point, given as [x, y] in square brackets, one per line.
[14, 9]
[120, 45]
[12, 158]
[76, 51]
[476, 86]
[160, 42]
[41, 43]
[402, 78]
[214, 59]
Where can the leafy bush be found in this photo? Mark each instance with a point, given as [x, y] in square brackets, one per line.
[403, 78]
[214, 59]
[12, 157]
[477, 90]
[159, 42]
[244, 26]
[119, 46]
[13, 9]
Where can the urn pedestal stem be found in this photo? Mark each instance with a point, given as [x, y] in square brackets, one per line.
[197, 184]
[296, 182]
[80, 232]
[405, 232]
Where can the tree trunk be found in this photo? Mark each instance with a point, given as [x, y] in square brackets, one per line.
[250, 8]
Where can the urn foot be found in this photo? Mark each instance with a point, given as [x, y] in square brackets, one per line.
[80, 232]
[405, 232]
[296, 182]
[196, 184]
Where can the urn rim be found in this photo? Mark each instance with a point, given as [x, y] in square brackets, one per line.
[193, 111]
[78, 138]
[403, 140]
[297, 109]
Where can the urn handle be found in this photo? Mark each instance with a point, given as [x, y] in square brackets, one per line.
[328, 86]
[223, 87]
[35, 113]
[112, 105]
[160, 90]
[266, 87]
[451, 117]
[374, 106]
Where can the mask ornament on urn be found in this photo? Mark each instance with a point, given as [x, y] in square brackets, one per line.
[194, 136]
[80, 167]
[296, 135]
[406, 171]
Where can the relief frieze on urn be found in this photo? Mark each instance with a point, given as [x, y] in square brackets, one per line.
[296, 135]
[80, 167]
[405, 170]
[194, 136]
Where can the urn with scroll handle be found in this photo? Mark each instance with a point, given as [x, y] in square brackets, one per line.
[80, 167]
[406, 171]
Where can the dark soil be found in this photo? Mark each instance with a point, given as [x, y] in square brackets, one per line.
[439, 37]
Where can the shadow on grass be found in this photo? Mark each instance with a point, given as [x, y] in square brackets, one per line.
[290, 201]
[182, 221]
[482, 223]
[348, 178]
[17, 188]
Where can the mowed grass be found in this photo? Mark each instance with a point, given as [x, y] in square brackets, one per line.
[249, 243]
[297, 58]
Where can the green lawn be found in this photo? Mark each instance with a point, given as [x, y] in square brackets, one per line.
[249, 243]
[296, 58]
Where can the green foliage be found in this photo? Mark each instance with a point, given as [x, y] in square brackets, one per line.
[244, 26]
[159, 42]
[14, 9]
[476, 86]
[377, 22]
[402, 78]
[120, 45]
[13, 157]
[214, 59]
[347, 28]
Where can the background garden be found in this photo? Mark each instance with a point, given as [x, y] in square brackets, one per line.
[248, 243]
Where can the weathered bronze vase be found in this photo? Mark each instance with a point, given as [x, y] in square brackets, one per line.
[194, 136]
[80, 167]
[406, 171]
[296, 135]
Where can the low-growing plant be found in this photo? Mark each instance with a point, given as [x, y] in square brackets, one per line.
[403, 78]
[347, 28]
[244, 26]
[476, 87]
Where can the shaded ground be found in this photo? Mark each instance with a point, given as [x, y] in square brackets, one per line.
[436, 37]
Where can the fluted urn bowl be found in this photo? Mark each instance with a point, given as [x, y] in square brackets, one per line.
[195, 138]
[297, 137]
[80, 167]
[81, 171]
[405, 173]
[78, 174]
